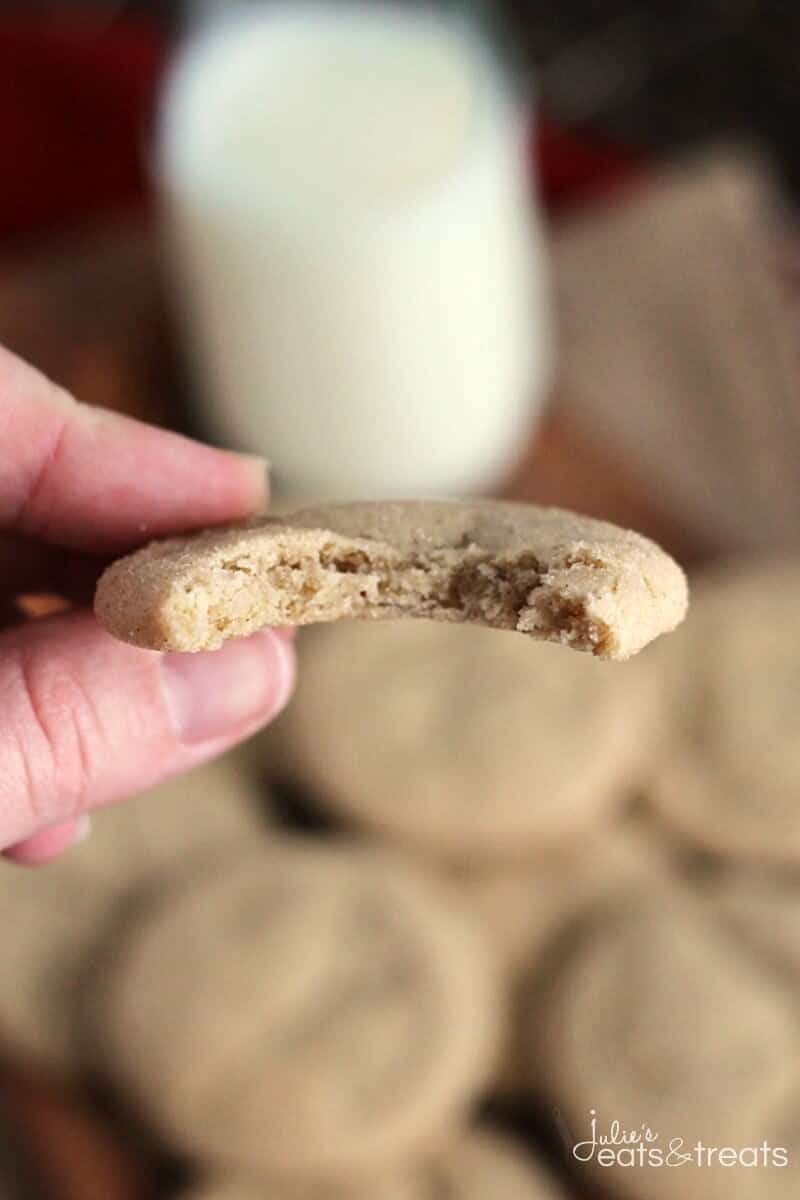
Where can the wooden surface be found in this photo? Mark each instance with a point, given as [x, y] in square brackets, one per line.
[64, 1148]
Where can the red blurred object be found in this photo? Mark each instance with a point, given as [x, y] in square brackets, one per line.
[76, 106]
[76, 111]
[574, 168]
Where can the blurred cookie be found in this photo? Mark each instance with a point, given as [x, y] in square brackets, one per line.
[526, 909]
[56, 917]
[732, 781]
[310, 1008]
[774, 1146]
[656, 1021]
[465, 742]
[474, 1166]
[524, 906]
[726, 813]
[765, 912]
[543, 571]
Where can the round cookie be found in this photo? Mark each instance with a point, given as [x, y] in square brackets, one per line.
[542, 571]
[465, 742]
[727, 814]
[526, 910]
[775, 1141]
[765, 913]
[312, 1009]
[524, 907]
[655, 1020]
[55, 918]
[731, 783]
[473, 1166]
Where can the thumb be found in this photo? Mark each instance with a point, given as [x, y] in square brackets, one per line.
[87, 720]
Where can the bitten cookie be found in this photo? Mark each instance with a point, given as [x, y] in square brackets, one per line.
[465, 742]
[731, 783]
[542, 571]
[473, 1166]
[658, 1022]
[56, 919]
[310, 1009]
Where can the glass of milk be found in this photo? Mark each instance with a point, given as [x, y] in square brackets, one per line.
[356, 246]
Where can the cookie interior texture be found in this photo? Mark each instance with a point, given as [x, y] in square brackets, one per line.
[541, 571]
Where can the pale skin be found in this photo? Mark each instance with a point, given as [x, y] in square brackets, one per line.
[86, 720]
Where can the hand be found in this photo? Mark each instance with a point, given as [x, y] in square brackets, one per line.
[85, 719]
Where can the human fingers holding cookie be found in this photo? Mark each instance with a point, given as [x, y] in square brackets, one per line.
[87, 719]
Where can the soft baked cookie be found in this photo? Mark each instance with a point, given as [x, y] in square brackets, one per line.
[765, 912]
[776, 1136]
[313, 1009]
[55, 919]
[473, 1166]
[726, 812]
[463, 741]
[543, 571]
[731, 783]
[525, 906]
[527, 909]
[654, 1019]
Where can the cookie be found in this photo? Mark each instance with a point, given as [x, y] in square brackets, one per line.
[655, 1020]
[527, 909]
[462, 741]
[542, 571]
[310, 1009]
[730, 785]
[473, 1166]
[775, 1141]
[765, 913]
[56, 918]
[728, 814]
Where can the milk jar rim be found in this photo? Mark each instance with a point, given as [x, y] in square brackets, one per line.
[181, 161]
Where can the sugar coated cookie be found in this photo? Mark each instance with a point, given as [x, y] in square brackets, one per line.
[472, 1166]
[656, 1021]
[465, 742]
[732, 780]
[312, 1009]
[543, 571]
[56, 917]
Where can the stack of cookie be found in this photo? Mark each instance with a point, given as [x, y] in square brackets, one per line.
[292, 1015]
[533, 900]
[59, 921]
[511, 767]
[345, 1004]
[339, 1017]
[671, 1015]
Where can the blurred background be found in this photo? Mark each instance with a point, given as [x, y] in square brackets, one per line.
[587, 295]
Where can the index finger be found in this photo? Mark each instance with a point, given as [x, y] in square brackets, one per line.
[96, 481]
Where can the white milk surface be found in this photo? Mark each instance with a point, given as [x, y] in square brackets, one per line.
[356, 248]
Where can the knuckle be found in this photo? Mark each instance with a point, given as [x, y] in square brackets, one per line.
[56, 738]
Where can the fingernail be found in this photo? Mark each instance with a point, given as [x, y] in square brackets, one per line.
[83, 827]
[226, 691]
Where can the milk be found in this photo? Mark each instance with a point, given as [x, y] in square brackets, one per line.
[356, 251]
